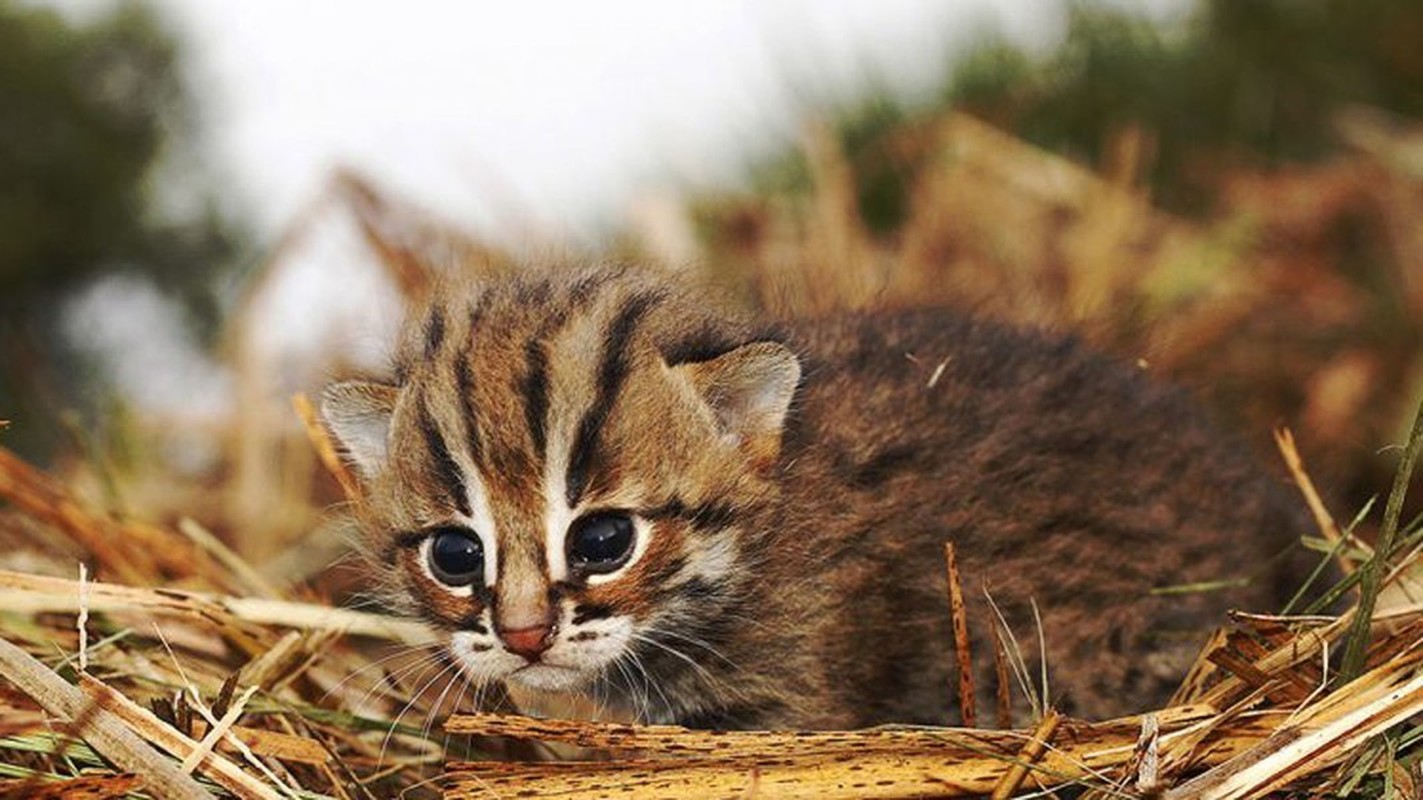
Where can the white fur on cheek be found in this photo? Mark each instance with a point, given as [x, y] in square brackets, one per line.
[713, 559]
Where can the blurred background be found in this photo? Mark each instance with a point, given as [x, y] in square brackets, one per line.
[208, 207]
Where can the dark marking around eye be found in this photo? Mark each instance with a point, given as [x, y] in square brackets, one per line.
[473, 624]
[588, 613]
[612, 371]
[405, 540]
[707, 517]
[449, 471]
[434, 333]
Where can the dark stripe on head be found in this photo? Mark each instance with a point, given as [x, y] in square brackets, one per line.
[533, 293]
[611, 373]
[448, 471]
[586, 288]
[708, 517]
[434, 332]
[703, 344]
[464, 379]
[535, 391]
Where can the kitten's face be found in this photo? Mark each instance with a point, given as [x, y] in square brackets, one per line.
[558, 485]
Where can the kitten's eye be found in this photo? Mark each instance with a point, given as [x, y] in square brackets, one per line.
[600, 543]
[456, 557]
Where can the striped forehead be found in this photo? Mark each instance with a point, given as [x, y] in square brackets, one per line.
[513, 391]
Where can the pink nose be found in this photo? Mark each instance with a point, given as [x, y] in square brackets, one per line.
[528, 642]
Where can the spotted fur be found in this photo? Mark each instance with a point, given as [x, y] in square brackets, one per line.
[791, 490]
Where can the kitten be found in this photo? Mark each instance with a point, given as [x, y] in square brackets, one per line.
[600, 483]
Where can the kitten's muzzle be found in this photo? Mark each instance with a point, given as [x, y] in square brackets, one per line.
[530, 642]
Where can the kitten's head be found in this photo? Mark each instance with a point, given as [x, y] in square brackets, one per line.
[563, 471]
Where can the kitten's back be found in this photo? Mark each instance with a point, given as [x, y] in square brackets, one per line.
[1061, 477]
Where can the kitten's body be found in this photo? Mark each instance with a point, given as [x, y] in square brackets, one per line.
[791, 494]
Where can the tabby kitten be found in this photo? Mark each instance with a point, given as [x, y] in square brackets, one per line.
[600, 483]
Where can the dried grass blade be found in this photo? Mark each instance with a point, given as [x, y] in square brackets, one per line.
[1312, 743]
[101, 729]
[325, 448]
[1369, 586]
[959, 612]
[1028, 756]
[222, 770]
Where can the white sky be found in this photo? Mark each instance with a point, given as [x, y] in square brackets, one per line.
[551, 110]
[510, 116]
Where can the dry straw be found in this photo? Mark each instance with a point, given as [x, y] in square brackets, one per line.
[213, 648]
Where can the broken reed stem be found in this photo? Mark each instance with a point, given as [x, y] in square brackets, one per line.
[959, 612]
[325, 448]
[1304, 737]
[35, 593]
[1028, 756]
[1357, 648]
[222, 770]
[82, 620]
[1328, 528]
[217, 731]
[96, 725]
[1312, 742]
[676, 742]
[676, 762]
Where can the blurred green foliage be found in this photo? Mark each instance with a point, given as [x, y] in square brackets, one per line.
[90, 111]
[1238, 83]
[1234, 83]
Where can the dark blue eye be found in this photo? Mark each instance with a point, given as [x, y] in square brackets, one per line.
[456, 557]
[600, 543]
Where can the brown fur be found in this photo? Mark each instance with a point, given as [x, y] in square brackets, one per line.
[1060, 476]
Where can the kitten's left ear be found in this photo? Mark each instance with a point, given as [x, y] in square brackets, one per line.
[749, 389]
[358, 414]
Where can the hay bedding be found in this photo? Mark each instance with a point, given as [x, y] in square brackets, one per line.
[174, 669]
[121, 686]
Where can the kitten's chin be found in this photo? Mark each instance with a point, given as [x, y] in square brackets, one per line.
[547, 678]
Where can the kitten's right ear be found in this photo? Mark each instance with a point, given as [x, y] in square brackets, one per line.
[358, 414]
[749, 389]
